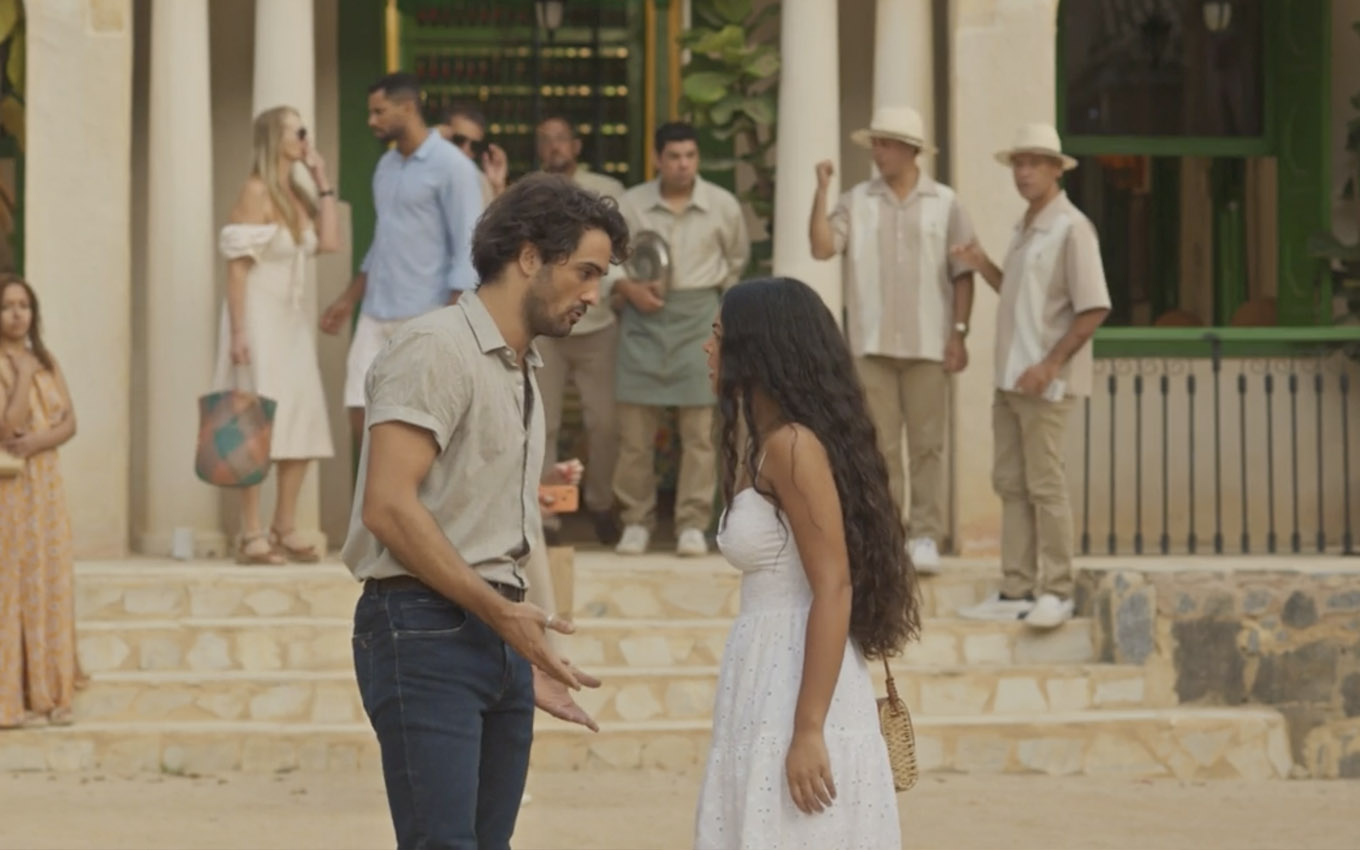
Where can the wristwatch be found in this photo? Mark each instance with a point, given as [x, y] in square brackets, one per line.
[962, 329]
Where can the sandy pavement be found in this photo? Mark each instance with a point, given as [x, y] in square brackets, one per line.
[632, 810]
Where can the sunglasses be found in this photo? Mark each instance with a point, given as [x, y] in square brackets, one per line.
[478, 146]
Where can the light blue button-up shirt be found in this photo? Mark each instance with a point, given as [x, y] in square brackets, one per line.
[427, 206]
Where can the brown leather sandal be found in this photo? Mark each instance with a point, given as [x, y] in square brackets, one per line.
[297, 554]
[262, 555]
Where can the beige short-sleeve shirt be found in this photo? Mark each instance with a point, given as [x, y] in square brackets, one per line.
[600, 184]
[908, 312]
[709, 246]
[1052, 273]
[452, 373]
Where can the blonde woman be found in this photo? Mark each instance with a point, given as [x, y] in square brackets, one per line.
[266, 341]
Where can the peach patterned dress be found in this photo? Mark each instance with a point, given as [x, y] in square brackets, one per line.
[37, 605]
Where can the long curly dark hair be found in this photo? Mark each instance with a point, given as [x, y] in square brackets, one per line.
[779, 338]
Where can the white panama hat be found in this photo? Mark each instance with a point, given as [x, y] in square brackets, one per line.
[901, 123]
[1037, 138]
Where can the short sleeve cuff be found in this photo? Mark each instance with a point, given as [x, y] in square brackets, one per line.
[410, 416]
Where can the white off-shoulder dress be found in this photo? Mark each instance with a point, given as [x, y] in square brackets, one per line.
[744, 803]
[279, 332]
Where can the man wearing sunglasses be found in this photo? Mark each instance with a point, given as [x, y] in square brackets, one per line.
[465, 128]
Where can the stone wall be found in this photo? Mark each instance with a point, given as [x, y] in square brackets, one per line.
[1284, 638]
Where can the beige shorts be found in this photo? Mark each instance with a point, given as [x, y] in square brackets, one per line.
[370, 335]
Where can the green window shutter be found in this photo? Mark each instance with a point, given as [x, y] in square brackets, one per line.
[1300, 74]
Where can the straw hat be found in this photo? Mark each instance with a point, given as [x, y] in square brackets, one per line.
[895, 122]
[1037, 138]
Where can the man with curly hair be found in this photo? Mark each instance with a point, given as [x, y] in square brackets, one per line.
[450, 658]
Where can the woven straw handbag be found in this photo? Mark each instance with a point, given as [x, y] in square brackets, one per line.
[894, 721]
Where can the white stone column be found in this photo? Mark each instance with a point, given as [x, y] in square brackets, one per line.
[904, 58]
[77, 214]
[181, 305]
[285, 59]
[1003, 75]
[808, 132]
[285, 75]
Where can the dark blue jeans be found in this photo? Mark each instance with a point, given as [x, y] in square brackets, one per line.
[453, 707]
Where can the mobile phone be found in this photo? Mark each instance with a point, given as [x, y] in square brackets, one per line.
[565, 497]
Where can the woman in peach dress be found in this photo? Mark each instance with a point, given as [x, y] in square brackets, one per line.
[37, 609]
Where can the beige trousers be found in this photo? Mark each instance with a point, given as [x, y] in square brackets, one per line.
[913, 394]
[1029, 475]
[588, 361]
[635, 474]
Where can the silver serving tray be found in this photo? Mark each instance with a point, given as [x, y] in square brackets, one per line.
[649, 259]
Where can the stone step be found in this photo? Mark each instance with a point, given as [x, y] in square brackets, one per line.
[1187, 743]
[634, 695]
[944, 642]
[629, 694]
[655, 586]
[156, 697]
[210, 643]
[166, 590]
[260, 643]
[606, 585]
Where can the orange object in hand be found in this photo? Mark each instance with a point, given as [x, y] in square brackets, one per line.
[565, 498]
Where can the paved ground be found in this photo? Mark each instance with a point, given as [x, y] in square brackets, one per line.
[628, 810]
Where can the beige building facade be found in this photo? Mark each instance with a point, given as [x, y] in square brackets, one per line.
[138, 138]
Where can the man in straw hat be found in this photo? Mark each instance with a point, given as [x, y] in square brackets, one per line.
[907, 304]
[1053, 297]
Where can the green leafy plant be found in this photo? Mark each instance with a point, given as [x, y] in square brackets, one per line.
[729, 90]
[1345, 259]
[12, 59]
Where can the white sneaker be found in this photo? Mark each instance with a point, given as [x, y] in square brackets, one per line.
[691, 544]
[924, 555]
[1049, 612]
[634, 540]
[996, 608]
[526, 799]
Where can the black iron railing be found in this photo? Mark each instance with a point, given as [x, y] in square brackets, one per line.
[1162, 431]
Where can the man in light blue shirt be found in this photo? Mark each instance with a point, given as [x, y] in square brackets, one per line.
[427, 197]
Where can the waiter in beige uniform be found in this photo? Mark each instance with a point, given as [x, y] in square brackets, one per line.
[1053, 297]
[907, 307]
[586, 357]
[662, 328]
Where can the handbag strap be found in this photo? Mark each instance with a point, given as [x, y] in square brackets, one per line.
[892, 685]
[241, 378]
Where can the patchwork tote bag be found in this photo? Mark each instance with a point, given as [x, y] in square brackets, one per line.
[235, 428]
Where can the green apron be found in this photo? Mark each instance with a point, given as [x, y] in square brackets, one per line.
[661, 360]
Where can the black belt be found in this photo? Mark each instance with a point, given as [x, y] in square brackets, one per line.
[387, 585]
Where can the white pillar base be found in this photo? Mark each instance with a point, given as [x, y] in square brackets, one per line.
[203, 544]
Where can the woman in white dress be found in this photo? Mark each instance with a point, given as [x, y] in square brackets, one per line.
[797, 759]
[266, 343]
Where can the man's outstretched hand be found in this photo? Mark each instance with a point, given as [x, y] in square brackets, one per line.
[553, 697]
